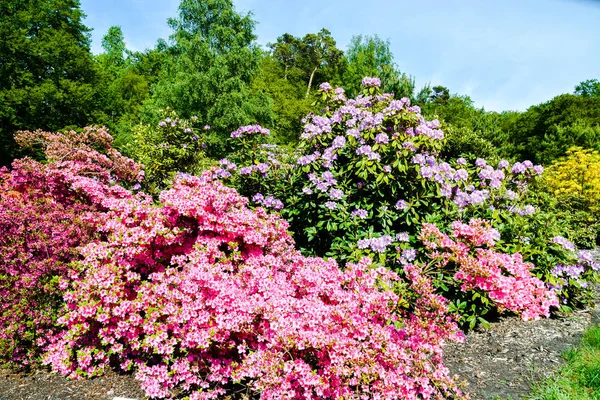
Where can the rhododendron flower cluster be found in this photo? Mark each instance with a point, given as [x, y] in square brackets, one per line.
[204, 294]
[46, 212]
[250, 130]
[505, 278]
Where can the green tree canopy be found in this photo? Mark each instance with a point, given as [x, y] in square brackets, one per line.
[589, 88]
[371, 56]
[209, 66]
[47, 73]
[313, 59]
[545, 132]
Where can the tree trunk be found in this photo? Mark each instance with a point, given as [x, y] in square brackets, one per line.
[310, 81]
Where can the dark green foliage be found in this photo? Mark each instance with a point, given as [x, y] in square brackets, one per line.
[545, 132]
[47, 74]
[469, 144]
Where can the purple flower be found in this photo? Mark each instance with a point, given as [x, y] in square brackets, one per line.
[368, 82]
[307, 191]
[461, 161]
[206, 127]
[418, 159]
[563, 242]
[336, 194]
[381, 243]
[518, 168]
[402, 205]
[194, 137]
[363, 243]
[538, 169]
[188, 130]
[480, 162]
[162, 124]
[258, 197]
[338, 142]
[137, 186]
[427, 172]
[402, 237]
[262, 168]
[325, 86]
[478, 197]
[585, 256]
[382, 138]
[332, 205]
[248, 130]
[527, 210]
[503, 164]
[360, 213]
[387, 168]
[461, 175]
[409, 254]
[409, 145]
[245, 170]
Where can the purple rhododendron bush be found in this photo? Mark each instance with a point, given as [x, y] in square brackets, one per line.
[46, 212]
[368, 176]
[202, 293]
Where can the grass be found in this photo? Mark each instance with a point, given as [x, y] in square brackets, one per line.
[579, 379]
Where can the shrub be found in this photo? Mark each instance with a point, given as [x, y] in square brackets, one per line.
[46, 212]
[202, 293]
[173, 145]
[575, 182]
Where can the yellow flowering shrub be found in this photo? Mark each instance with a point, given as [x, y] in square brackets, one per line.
[576, 176]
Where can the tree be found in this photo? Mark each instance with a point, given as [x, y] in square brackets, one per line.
[371, 56]
[47, 73]
[287, 51]
[289, 104]
[545, 131]
[208, 69]
[304, 59]
[124, 85]
[588, 88]
[113, 44]
[319, 51]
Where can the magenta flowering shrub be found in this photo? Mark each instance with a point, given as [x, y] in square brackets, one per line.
[203, 294]
[46, 212]
[38, 239]
[504, 278]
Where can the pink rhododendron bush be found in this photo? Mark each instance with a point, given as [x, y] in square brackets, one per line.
[505, 278]
[204, 294]
[46, 212]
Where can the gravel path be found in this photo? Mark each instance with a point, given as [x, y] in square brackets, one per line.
[505, 360]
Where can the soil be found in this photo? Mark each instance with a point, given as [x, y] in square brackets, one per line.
[501, 362]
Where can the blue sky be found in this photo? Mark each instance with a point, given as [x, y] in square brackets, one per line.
[506, 55]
